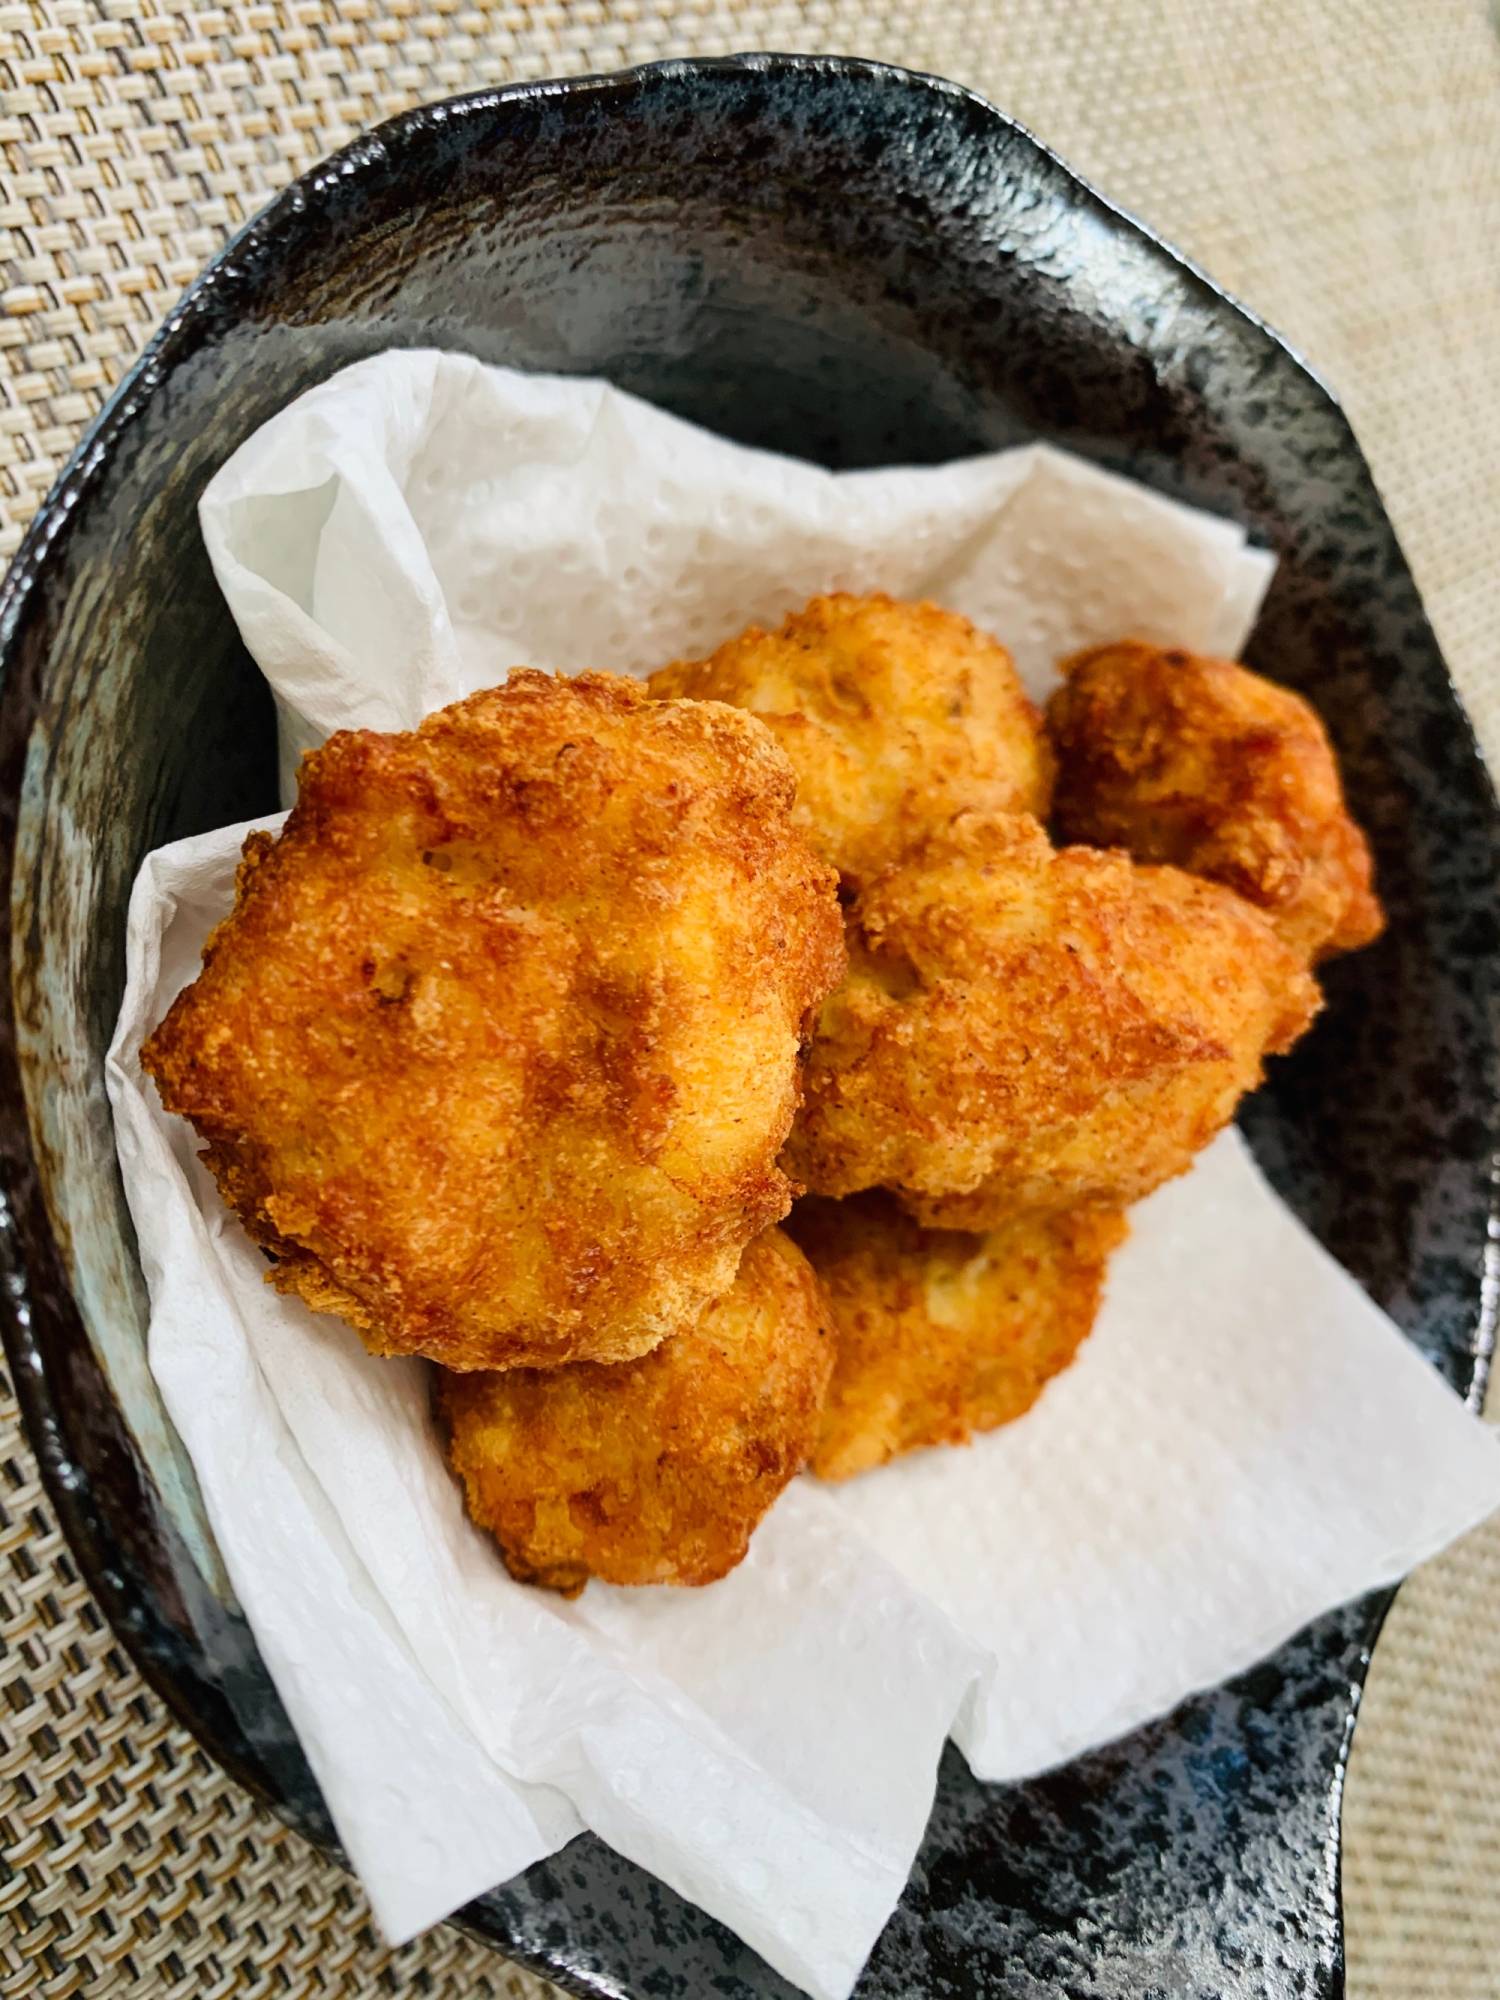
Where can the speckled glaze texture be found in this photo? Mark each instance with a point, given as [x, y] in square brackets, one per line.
[859, 267]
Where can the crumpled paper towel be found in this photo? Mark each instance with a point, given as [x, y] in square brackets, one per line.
[412, 529]
[1244, 1441]
[768, 1746]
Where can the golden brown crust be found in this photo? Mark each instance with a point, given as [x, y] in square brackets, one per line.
[895, 716]
[1202, 764]
[1023, 1028]
[499, 1044]
[941, 1334]
[657, 1471]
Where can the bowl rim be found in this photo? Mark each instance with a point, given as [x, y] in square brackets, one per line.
[361, 153]
[87, 1528]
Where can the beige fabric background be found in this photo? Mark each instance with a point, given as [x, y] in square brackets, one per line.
[1335, 165]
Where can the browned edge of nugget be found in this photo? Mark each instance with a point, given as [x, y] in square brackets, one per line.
[658, 1470]
[499, 1045]
[1200, 763]
[895, 716]
[943, 1334]
[1024, 1027]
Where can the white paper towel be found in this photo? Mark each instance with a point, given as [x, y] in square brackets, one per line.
[1244, 1442]
[419, 525]
[768, 1747]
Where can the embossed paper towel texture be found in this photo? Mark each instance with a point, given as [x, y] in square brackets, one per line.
[1244, 1441]
[776, 1765]
[420, 524]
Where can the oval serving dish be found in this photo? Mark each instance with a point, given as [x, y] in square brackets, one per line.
[857, 266]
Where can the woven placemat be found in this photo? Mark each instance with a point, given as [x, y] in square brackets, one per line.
[1336, 165]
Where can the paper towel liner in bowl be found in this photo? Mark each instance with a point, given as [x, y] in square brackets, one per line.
[1245, 1440]
[860, 267]
[420, 524]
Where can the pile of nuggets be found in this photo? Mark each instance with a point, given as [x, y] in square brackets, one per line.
[526, 1032]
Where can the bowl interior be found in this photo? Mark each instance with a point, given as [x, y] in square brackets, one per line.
[859, 267]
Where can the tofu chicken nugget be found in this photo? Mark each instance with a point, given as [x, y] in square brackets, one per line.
[657, 1471]
[942, 1334]
[499, 1045]
[895, 717]
[1027, 1028]
[1202, 764]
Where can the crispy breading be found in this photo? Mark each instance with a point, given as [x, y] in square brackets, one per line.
[499, 1045]
[657, 1471]
[1202, 764]
[1023, 1028]
[895, 716]
[942, 1334]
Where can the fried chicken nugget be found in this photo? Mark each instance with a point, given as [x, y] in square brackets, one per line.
[1023, 1028]
[895, 716]
[942, 1334]
[499, 1045]
[657, 1471]
[1202, 764]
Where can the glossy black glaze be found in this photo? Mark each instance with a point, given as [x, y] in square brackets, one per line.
[857, 266]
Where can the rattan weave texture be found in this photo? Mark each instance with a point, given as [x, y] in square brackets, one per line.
[131, 1863]
[1336, 165]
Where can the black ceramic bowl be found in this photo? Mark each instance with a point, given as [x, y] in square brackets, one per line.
[859, 267]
